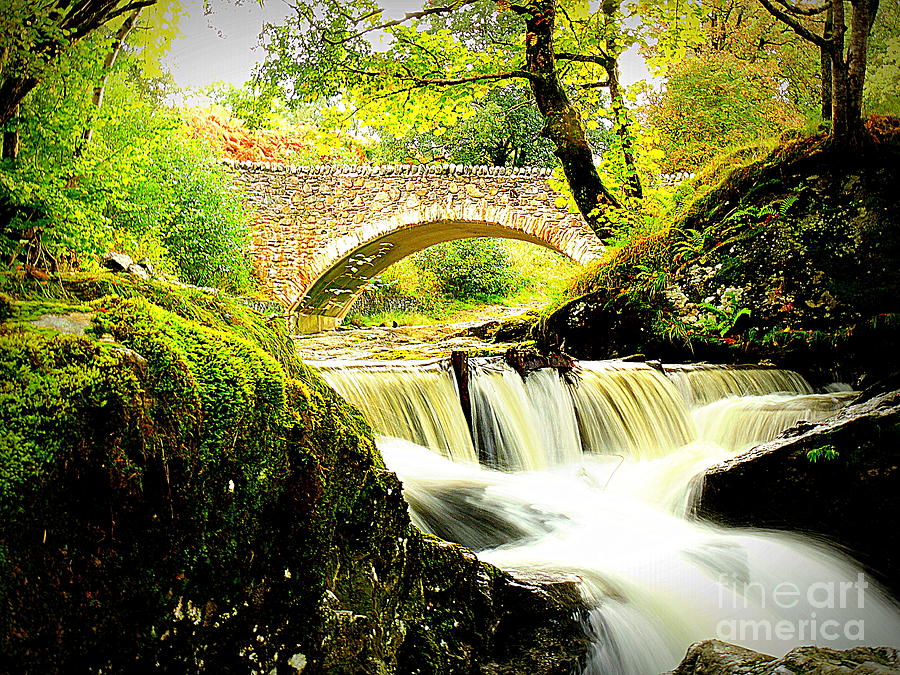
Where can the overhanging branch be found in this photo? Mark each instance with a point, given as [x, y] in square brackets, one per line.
[798, 27]
[409, 16]
[803, 11]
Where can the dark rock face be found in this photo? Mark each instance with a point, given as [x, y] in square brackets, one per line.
[178, 493]
[792, 261]
[838, 478]
[713, 657]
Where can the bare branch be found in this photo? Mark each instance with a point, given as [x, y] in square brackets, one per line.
[492, 77]
[803, 11]
[409, 16]
[798, 27]
[601, 60]
[417, 81]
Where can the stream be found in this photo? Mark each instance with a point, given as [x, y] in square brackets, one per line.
[594, 471]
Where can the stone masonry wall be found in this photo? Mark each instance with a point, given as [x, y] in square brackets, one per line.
[309, 218]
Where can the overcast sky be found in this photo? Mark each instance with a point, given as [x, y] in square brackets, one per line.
[222, 45]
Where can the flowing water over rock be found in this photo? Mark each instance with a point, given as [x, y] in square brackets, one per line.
[591, 472]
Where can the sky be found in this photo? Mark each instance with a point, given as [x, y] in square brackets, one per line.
[222, 45]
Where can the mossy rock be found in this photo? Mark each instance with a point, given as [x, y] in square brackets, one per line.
[794, 258]
[179, 492]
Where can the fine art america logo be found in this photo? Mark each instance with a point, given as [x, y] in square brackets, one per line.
[819, 612]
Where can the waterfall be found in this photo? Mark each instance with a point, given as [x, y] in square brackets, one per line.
[522, 425]
[629, 409]
[595, 473]
[702, 384]
[415, 400]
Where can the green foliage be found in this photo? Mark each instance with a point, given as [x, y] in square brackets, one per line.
[469, 268]
[882, 88]
[505, 131]
[141, 183]
[721, 319]
[198, 218]
[825, 452]
[714, 102]
[410, 293]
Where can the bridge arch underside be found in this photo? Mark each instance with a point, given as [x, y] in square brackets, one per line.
[330, 297]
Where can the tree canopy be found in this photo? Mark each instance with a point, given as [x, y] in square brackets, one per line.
[426, 71]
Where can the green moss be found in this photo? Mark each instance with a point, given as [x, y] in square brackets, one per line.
[161, 456]
[5, 307]
[189, 494]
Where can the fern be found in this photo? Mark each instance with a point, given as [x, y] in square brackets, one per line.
[786, 205]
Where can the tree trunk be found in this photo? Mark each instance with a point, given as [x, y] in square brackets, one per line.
[562, 123]
[12, 91]
[11, 140]
[825, 59]
[621, 126]
[108, 63]
[849, 74]
[861, 21]
[620, 112]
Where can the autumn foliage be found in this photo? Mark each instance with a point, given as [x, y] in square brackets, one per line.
[296, 145]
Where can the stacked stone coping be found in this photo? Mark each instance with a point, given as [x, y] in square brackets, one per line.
[391, 169]
[357, 170]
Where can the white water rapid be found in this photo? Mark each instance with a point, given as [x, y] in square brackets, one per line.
[593, 474]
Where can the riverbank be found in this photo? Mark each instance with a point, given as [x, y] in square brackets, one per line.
[435, 340]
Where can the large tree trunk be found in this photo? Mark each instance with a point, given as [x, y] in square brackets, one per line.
[825, 58]
[562, 123]
[861, 21]
[849, 73]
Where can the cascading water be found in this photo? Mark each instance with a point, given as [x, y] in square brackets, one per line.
[416, 400]
[740, 422]
[596, 478]
[701, 384]
[520, 425]
[629, 409]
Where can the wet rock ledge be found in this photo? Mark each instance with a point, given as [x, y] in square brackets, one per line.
[838, 478]
[713, 657]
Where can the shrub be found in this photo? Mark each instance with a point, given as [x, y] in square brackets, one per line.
[468, 268]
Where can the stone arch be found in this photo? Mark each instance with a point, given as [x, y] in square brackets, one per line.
[349, 264]
[314, 226]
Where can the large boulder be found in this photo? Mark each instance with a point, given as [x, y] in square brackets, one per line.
[713, 657]
[179, 493]
[794, 258]
[838, 478]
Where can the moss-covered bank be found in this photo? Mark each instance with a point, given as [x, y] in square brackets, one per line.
[792, 257]
[178, 492]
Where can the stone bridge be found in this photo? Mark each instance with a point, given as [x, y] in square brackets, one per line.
[322, 232]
